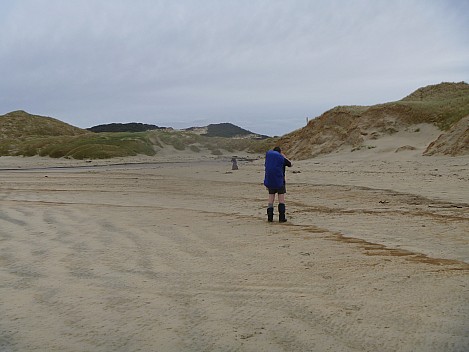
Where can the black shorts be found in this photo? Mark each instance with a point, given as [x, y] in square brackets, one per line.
[282, 190]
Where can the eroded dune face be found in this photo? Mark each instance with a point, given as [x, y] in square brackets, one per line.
[453, 142]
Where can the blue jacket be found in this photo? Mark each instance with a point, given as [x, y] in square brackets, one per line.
[274, 170]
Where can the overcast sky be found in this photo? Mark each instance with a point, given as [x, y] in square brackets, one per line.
[264, 65]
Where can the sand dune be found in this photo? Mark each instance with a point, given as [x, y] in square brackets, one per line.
[179, 256]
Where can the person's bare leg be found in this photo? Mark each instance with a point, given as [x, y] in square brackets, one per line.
[272, 198]
[281, 198]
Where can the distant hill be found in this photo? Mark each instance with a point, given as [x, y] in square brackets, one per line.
[442, 105]
[227, 130]
[124, 127]
[20, 124]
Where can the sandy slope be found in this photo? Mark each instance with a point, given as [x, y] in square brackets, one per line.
[179, 257]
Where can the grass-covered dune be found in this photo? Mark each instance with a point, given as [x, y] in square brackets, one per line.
[442, 105]
[23, 134]
[19, 125]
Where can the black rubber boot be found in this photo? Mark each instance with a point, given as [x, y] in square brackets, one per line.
[270, 214]
[281, 213]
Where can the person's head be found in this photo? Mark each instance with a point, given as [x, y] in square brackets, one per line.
[277, 149]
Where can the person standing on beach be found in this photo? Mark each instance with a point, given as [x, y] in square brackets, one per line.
[274, 180]
[234, 163]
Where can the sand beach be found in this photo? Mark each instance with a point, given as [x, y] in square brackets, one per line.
[173, 253]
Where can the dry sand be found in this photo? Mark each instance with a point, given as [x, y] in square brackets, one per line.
[179, 256]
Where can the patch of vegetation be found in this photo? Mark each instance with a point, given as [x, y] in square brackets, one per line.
[89, 146]
[443, 104]
[20, 124]
[354, 110]
[239, 144]
[228, 130]
[363, 147]
[217, 152]
[194, 148]
[124, 127]
[181, 140]
[178, 139]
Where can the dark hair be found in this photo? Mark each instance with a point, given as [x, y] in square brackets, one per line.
[277, 149]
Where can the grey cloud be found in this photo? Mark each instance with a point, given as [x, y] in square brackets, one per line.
[247, 62]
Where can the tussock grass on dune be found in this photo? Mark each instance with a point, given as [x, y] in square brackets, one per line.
[121, 144]
[93, 146]
[20, 124]
[443, 104]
